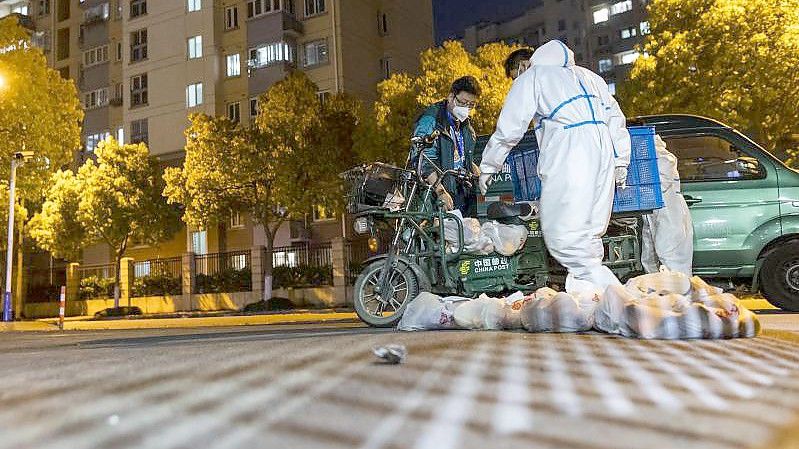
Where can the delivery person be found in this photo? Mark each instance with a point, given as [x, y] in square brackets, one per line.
[584, 153]
[455, 144]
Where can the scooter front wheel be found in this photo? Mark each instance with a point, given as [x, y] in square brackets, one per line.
[384, 309]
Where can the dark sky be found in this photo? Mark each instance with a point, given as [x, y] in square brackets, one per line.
[452, 16]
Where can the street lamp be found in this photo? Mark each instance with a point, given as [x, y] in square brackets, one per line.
[19, 158]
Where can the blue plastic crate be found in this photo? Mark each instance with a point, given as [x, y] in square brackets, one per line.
[643, 179]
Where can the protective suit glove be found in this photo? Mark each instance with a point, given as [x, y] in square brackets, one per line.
[445, 198]
[485, 180]
[620, 175]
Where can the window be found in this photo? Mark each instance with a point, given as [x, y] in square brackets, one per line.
[96, 55]
[138, 45]
[138, 90]
[119, 51]
[234, 112]
[257, 8]
[315, 53]
[231, 17]
[194, 95]
[323, 96]
[322, 213]
[605, 65]
[238, 261]
[620, 7]
[644, 26]
[96, 98]
[138, 8]
[233, 65]
[199, 242]
[314, 7]
[626, 57]
[253, 106]
[612, 88]
[627, 33]
[139, 131]
[121, 135]
[20, 8]
[601, 15]
[194, 5]
[284, 259]
[603, 40]
[235, 219]
[141, 269]
[44, 7]
[271, 53]
[93, 140]
[382, 23]
[98, 12]
[385, 68]
[118, 93]
[561, 25]
[195, 47]
[711, 158]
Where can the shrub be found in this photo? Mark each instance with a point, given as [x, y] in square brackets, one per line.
[157, 285]
[225, 281]
[93, 287]
[305, 276]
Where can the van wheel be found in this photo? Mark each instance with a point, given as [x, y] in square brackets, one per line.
[780, 277]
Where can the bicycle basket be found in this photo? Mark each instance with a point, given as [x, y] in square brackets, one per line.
[371, 185]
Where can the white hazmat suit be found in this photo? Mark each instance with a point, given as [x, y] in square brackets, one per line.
[668, 233]
[582, 138]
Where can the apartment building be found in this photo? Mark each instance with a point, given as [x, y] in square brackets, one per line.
[603, 34]
[142, 66]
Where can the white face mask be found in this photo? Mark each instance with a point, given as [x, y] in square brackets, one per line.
[461, 113]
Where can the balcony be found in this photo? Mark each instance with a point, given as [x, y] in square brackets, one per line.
[96, 14]
[291, 25]
[117, 101]
[41, 39]
[25, 21]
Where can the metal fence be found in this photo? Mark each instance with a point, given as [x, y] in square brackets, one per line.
[158, 277]
[44, 284]
[223, 272]
[97, 281]
[302, 266]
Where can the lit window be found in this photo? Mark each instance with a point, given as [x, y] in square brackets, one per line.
[323, 97]
[96, 98]
[271, 53]
[121, 135]
[141, 269]
[315, 53]
[627, 33]
[233, 65]
[194, 5]
[195, 47]
[605, 65]
[235, 219]
[612, 88]
[199, 242]
[644, 26]
[253, 106]
[194, 95]
[322, 213]
[239, 261]
[314, 7]
[96, 55]
[627, 57]
[601, 15]
[20, 8]
[234, 112]
[139, 131]
[620, 7]
[93, 140]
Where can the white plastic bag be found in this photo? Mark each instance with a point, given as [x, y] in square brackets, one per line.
[507, 239]
[558, 312]
[663, 282]
[474, 241]
[429, 312]
[483, 313]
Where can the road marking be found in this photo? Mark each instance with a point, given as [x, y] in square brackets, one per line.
[444, 430]
[612, 395]
[704, 394]
[647, 382]
[512, 413]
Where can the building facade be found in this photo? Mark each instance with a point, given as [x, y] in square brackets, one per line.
[603, 34]
[143, 66]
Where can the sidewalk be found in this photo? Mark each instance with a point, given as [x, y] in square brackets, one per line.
[169, 321]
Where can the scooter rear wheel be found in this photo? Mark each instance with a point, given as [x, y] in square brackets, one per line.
[386, 309]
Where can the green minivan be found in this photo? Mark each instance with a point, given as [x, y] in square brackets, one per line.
[744, 204]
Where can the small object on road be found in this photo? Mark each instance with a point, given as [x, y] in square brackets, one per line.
[113, 420]
[391, 354]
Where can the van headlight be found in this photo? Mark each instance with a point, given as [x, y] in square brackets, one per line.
[361, 225]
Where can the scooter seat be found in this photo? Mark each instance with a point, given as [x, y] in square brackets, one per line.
[504, 211]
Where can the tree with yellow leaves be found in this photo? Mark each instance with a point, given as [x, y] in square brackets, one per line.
[733, 60]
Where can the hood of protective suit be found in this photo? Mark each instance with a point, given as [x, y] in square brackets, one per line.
[553, 53]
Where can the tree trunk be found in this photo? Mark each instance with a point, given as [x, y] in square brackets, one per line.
[268, 262]
[118, 262]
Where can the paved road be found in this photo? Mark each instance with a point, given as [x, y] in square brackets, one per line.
[295, 387]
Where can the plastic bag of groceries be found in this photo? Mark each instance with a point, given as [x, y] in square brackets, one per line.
[430, 312]
[474, 240]
[485, 313]
[702, 312]
[550, 311]
[507, 239]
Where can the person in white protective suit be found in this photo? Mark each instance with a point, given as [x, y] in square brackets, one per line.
[668, 233]
[584, 152]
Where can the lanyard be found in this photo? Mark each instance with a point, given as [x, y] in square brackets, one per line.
[458, 137]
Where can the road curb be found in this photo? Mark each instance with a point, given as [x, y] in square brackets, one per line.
[27, 326]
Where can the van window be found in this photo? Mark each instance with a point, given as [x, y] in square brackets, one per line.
[712, 158]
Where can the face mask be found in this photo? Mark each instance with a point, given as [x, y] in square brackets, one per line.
[461, 113]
